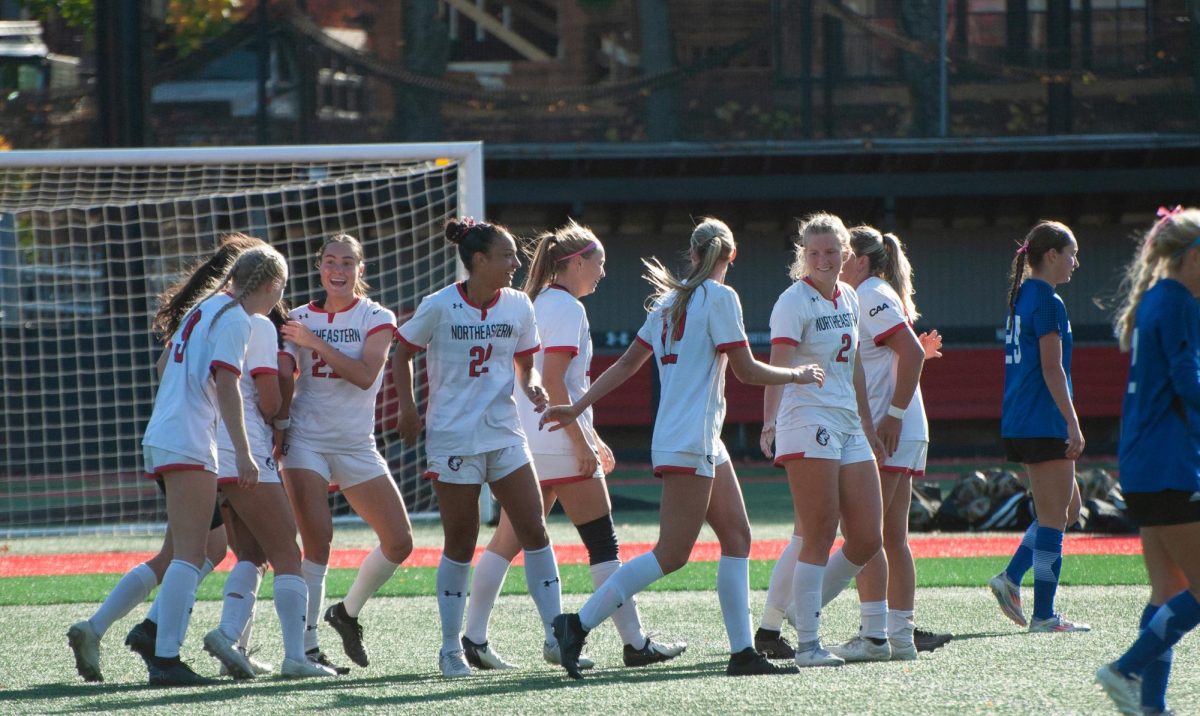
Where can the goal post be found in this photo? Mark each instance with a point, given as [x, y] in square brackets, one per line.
[88, 240]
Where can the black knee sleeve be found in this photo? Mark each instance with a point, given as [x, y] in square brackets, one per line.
[600, 539]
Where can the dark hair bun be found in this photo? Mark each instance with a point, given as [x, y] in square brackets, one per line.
[456, 231]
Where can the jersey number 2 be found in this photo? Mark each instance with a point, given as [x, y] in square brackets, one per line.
[479, 356]
[843, 355]
[1012, 335]
[319, 366]
[192, 320]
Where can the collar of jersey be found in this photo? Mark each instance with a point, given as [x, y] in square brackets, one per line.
[462, 291]
[837, 290]
[313, 306]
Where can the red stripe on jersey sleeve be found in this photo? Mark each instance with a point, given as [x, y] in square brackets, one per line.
[263, 371]
[527, 351]
[225, 366]
[381, 327]
[783, 340]
[411, 346]
[882, 337]
[641, 340]
[731, 345]
[573, 350]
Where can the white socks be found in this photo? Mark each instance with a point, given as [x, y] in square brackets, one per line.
[733, 593]
[131, 590]
[541, 577]
[241, 591]
[314, 578]
[631, 578]
[176, 597]
[838, 574]
[806, 593]
[486, 582]
[779, 591]
[451, 585]
[374, 571]
[205, 570]
[900, 626]
[626, 618]
[873, 619]
[291, 602]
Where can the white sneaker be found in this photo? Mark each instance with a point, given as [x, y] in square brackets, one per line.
[260, 667]
[1008, 596]
[811, 653]
[1056, 624]
[862, 649]
[1125, 691]
[303, 669]
[552, 656]
[453, 664]
[903, 650]
[482, 657]
[85, 643]
[226, 651]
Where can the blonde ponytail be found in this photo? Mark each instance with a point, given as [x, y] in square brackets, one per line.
[1163, 248]
[886, 258]
[554, 247]
[711, 242]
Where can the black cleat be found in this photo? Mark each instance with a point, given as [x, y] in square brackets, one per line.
[318, 657]
[351, 632]
[173, 672]
[771, 644]
[749, 662]
[928, 641]
[140, 639]
[571, 636]
[652, 653]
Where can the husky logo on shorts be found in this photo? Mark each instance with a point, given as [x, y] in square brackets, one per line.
[454, 463]
[822, 437]
[284, 449]
[712, 459]
[270, 463]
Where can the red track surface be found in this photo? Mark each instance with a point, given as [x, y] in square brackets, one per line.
[27, 565]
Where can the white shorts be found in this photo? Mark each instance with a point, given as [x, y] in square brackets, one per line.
[343, 470]
[690, 463]
[268, 471]
[158, 461]
[479, 468]
[561, 469]
[817, 441]
[909, 458]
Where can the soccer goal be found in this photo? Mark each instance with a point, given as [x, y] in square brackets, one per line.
[89, 239]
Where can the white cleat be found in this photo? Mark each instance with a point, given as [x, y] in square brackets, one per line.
[1125, 691]
[226, 651]
[811, 653]
[903, 650]
[260, 667]
[1008, 596]
[863, 649]
[482, 657]
[304, 669]
[552, 655]
[1057, 624]
[85, 643]
[453, 664]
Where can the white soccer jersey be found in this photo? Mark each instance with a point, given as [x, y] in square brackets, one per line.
[470, 367]
[330, 414]
[185, 414]
[262, 358]
[563, 327]
[825, 332]
[882, 314]
[691, 367]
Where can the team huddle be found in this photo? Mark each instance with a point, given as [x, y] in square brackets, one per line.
[261, 412]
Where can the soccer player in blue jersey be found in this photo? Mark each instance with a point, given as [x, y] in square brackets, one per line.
[1160, 451]
[1038, 422]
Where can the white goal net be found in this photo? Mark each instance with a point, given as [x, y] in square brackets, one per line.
[88, 240]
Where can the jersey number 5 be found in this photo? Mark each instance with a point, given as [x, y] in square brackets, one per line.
[1012, 336]
[479, 356]
[192, 320]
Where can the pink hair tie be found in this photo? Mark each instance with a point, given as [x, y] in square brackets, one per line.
[591, 245]
[1165, 213]
[467, 221]
[1024, 248]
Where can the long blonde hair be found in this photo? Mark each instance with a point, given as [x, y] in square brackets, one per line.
[360, 286]
[253, 268]
[886, 259]
[811, 225]
[711, 242]
[552, 248]
[1164, 247]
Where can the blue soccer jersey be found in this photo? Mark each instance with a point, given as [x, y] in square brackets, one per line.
[1028, 410]
[1160, 418]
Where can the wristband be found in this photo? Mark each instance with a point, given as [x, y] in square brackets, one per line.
[897, 413]
[281, 423]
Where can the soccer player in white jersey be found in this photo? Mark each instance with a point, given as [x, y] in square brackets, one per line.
[566, 266]
[200, 383]
[481, 336]
[824, 438]
[892, 357]
[137, 584]
[335, 349]
[694, 329]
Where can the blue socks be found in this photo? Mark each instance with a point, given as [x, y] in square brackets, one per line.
[1168, 625]
[1047, 563]
[1154, 676]
[1022, 559]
